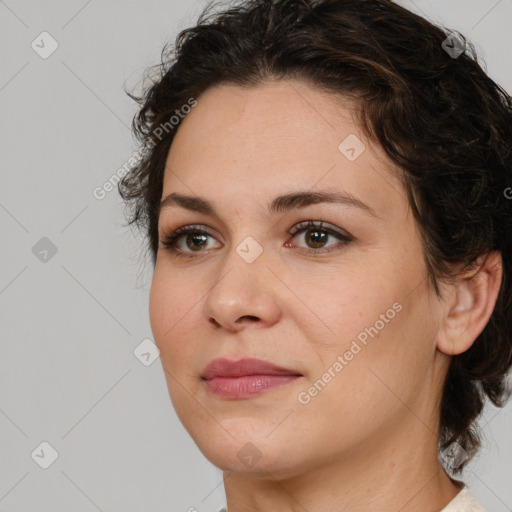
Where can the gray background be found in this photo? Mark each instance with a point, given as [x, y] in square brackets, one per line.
[70, 321]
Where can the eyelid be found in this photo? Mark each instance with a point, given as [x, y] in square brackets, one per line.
[169, 240]
[296, 228]
[187, 228]
[317, 224]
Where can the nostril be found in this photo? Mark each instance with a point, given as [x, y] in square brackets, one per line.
[214, 322]
[242, 319]
[248, 317]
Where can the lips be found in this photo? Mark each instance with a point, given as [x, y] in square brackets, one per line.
[244, 367]
[245, 378]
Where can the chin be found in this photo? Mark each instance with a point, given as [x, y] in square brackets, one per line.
[248, 449]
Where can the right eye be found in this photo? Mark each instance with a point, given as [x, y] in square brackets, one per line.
[186, 240]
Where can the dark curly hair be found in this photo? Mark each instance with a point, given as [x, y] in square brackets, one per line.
[444, 123]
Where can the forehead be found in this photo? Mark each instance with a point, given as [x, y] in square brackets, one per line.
[272, 137]
[271, 118]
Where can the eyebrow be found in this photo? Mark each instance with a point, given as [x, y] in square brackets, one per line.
[280, 204]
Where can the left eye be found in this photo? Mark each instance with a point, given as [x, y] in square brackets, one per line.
[316, 235]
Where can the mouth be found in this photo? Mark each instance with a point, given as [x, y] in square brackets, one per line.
[245, 378]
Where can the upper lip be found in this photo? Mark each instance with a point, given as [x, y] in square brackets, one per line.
[247, 366]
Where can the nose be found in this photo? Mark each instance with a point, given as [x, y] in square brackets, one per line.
[242, 295]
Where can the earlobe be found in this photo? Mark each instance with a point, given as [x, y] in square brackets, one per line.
[471, 303]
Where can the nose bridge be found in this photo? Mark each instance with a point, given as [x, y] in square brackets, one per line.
[242, 288]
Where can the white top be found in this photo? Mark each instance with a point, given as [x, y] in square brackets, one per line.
[463, 502]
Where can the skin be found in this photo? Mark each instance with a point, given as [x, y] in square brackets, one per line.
[368, 440]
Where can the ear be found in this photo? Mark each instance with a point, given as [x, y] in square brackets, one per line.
[469, 304]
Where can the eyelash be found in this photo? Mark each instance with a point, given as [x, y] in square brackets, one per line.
[170, 241]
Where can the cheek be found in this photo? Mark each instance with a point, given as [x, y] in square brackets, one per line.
[365, 327]
[345, 308]
[173, 315]
[380, 356]
[171, 311]
[160, 307]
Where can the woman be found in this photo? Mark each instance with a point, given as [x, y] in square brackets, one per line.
[323, 185]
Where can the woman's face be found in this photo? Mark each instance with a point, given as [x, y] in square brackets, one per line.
[346, 306]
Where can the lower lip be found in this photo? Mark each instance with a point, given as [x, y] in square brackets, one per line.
[246, 386]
